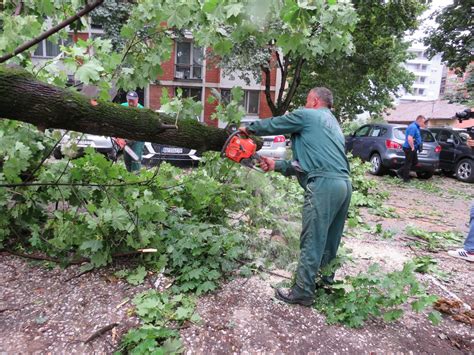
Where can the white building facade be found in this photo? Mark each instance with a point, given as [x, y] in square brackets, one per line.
[428, 76]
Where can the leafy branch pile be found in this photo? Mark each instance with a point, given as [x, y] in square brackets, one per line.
[201, 221]
[374, 294]
[161, 314]
[434, 241]
[364, 192]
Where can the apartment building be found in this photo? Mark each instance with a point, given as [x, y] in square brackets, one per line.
[192, 69]
[429, 76]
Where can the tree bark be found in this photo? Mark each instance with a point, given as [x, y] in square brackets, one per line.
[26, 99]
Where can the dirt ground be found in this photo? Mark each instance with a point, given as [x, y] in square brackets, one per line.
[42, 311]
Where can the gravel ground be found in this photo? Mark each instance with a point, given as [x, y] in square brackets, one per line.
[42, 312]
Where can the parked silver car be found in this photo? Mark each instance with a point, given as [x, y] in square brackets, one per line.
[381, 144]
[275, 147]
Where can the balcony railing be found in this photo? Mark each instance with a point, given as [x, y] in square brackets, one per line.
[193, 72]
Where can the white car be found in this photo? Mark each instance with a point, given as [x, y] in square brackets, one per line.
[275, 147]
[102, 144]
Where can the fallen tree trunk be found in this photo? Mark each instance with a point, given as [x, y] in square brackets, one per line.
[26, 99]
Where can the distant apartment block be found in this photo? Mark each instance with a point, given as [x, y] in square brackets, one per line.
[429, 76]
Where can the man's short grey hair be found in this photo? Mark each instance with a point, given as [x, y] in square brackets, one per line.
[324, 94]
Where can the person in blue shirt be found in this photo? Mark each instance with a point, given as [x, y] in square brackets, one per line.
[413, 143]
[137, 147]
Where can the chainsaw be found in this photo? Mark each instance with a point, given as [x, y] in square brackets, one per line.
[121, 144]
[239, 147]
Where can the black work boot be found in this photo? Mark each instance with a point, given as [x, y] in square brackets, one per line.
[288, 295]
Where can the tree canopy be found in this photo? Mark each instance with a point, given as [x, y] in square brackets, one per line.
[369, 78]
[453, 35]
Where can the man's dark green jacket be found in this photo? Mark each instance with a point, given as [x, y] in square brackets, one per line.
[317, 142]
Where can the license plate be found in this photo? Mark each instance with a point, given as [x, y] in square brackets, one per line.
[267, 143]
[84, 142]
[424, 152]
[170, 150]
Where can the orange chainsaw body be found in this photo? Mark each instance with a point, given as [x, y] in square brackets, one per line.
[237, 148]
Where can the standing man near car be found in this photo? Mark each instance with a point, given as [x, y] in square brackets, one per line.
[137, 147]
[321, 166]
[413, 143]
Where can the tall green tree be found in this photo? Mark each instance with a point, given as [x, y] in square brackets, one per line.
[453, 36]
[369, 78]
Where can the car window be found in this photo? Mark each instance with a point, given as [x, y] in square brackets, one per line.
[435, 134]
[427, 136]
[376, 131]
[363, 132]
[399, 133]
[443, 136]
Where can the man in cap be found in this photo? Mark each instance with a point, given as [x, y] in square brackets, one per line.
[130, 163]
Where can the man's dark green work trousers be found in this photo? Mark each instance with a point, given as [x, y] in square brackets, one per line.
[326, 202]
[130, 163]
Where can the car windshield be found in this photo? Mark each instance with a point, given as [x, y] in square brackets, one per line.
[427, 137]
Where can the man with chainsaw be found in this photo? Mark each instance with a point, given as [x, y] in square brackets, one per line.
[130, 163]
[321, 166]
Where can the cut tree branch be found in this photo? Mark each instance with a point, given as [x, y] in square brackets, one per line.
[26, 99]
[88, 8]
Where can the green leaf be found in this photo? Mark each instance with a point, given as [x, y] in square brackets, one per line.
[92, 245]
[233, 9]
[172, 346]
[89, 72]
[206, 287]
[183, 313]
[137, 276]
[210, 5]
[223, 47]
[392, 315]
[435, 317]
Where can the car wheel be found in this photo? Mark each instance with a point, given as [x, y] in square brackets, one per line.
[424, 175]
[57, 153]
[376, 164]
[465, 170]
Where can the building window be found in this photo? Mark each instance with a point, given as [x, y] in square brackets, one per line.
[251, 101]
[188, 61]
[48, 49]
[421, 92]
[194, 93]
[422, 79]
[423, 67]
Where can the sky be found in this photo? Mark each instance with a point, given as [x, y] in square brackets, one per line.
[426, 22]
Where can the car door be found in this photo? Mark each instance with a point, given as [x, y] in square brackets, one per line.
[359, 141]
[371, 143]
[445, 139]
